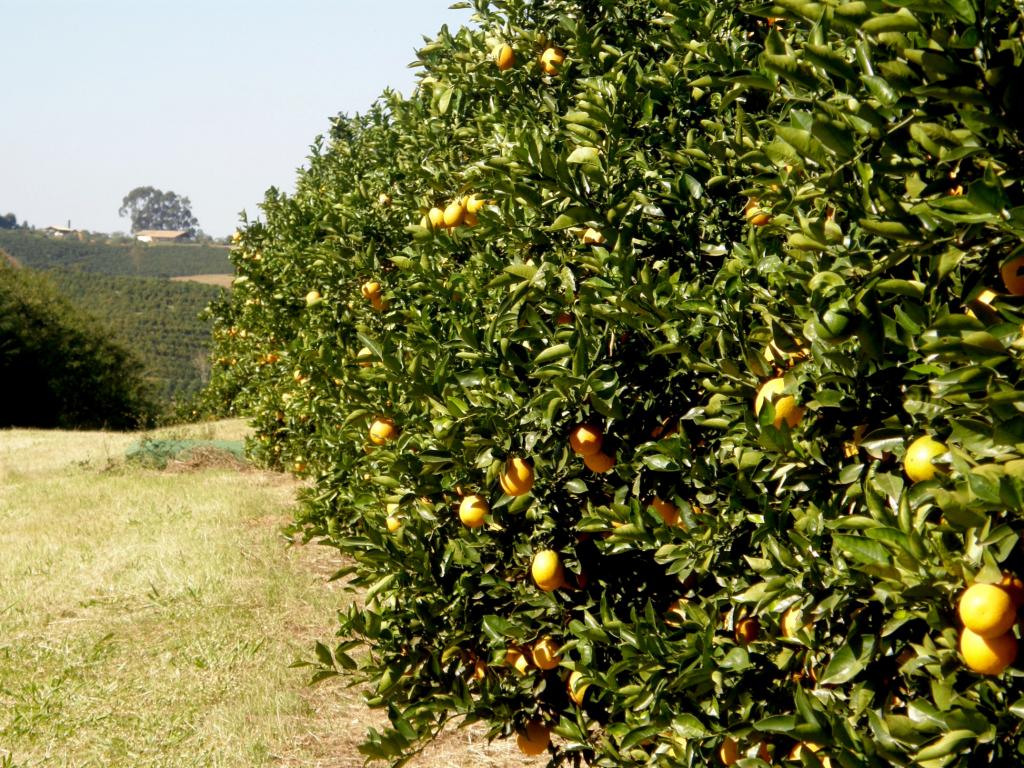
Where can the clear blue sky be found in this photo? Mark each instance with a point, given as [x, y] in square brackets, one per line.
[216, 100]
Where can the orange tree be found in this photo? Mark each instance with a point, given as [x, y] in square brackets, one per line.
[756, 251]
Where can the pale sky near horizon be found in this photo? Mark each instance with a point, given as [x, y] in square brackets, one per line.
[215, 100]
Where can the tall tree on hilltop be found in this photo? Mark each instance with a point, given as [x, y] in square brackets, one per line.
[151, 208]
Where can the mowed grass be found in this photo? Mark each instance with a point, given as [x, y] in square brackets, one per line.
[148, 618]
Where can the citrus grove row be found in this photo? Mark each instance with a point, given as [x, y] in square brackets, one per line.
[657, 368]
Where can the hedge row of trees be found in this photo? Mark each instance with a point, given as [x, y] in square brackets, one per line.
[59, 367]
[757, 251]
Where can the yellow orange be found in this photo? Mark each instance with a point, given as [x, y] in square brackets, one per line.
[393, 523]
[669, 512]
[517, 477]
[988, 656]
[370, 289]
[786, 409]
[577, 690]
[382, 431]
[1012, 277]
[747, 630]
[987, 610]
[472, 511]
[599, 462]
[585, 439]
[362, 354]
[551, 60]
[547, 570]
[436, 217]
[1014, 587]
[545, 653]
[794, 754]
[517, 660]
[917, 462]
[454, 214]
[792, 621]
[755, 215]
[504, 57]
[534, 739]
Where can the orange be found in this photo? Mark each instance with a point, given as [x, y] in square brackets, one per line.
[454, 214]
[669, 512]
[1014, 587]
[370, 289]
[517, 477]
[384, 199]
[577, 690]
[378, 303]
[472, 510]
[1012, 277]
[313, 298]
[747, 630]
[515, 659]
[729, 751]
[917, 462]
[547, 570]
[545, 653]
[599, 462]
[535, 739]
[794, 754]
[755, 215]
[393, 523]
[474, 204]
[504, 57]
[382, 431]
[987, 610]
[786, 409]
[988, 656]
[593, 237]
[436, 217]
[362, 354]
[585, 439]
[551, 60]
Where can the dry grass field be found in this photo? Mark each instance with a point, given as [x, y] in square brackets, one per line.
[224, 281]
[148, 617]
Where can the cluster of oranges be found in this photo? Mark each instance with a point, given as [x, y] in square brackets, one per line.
[586, 440]
[551, 60]
[988, 613]
[460, 212]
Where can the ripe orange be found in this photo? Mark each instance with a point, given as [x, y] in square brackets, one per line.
[474, 204]
[1014, 587]
[729, 751]
[786, 409]
[577, 690]
[472, 510]
[378, 303]
[810, 746]
[917, 462]
[747, 630]
[384, 199]
[515, 659]
[547, 570]
[504, 57]
[592, 237]
[517, 477]
[988, 656]
[1012, 277]
[393, 523]
[362, 354]
[535, 739]
[454, 214]
[987, 610]
[545, 653]
[382, 431]
[755, 215]
[551, 60]
[669, 512]
[436, 217]
[585, 439]
[370, 289]
[599, 462]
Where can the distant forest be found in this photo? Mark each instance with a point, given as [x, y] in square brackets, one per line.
[124, 287]
[40, 251]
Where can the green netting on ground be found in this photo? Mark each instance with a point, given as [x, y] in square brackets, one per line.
[160, 452]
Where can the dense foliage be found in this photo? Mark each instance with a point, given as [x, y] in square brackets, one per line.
[151, 208]
[34, 249]
[58, 367]
[684, 199]
[160, 321]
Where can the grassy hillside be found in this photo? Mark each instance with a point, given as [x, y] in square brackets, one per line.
[157, 319]
[149, 618]
[39, 251]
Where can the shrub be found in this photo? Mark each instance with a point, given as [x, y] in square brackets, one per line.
[702, 197]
